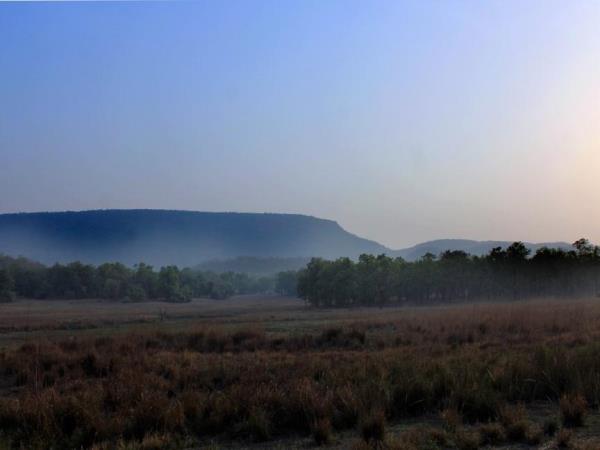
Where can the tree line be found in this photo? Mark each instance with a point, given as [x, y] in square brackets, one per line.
[20, 277]
[453, 276]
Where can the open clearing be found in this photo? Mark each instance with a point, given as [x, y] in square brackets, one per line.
[27, 319]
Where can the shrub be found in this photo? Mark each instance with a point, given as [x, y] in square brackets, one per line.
[7, 296]
[89, 364]
[517, 431]
[563, 438]
[573, 408]
[509, 414]
[534, 435]
[192, 403]
[147, 415]
[372, 427]
[173, 417]
[321, 431]
[347, 406]
[9, 413]
[259, 425]
[491, 434]
[514, 420]
[550, 427]
[479, 404]
[467, 440]
[451, 419]
[243, 336]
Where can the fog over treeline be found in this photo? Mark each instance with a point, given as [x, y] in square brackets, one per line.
[20, 277]
[509, 273]
[253, 265]
[454, 276]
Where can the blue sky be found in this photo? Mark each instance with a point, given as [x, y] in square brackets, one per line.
[403, 121]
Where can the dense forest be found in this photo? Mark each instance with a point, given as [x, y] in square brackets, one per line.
[453, 276]
[20, 277]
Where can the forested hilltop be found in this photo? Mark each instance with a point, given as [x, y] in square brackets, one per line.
[454, 276]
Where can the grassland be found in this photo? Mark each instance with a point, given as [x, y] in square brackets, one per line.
[269, 372]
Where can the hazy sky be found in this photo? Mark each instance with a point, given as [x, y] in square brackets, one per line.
[403, 121]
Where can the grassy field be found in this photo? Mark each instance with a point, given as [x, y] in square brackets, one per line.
[26, 319]
[269, 372]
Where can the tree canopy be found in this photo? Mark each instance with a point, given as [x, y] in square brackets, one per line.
[20, 277]
[454, 276]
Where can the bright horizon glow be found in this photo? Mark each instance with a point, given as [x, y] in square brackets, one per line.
[402, 121]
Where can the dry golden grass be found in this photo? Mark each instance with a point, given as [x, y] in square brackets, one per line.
[281, 370]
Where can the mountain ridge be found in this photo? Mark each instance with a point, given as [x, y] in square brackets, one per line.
[173, 236]
[190, 238]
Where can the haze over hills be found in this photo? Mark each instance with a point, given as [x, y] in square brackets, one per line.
[470, 246]
[216, 241]
[161, 237]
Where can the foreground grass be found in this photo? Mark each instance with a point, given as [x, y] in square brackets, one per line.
[470, 375]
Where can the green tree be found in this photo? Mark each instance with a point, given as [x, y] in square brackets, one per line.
[169, 285]
[7, 286]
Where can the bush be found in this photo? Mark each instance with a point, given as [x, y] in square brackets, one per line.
[534, 435]
[517, 431]
[550, 427]
[514, 420]
[479, 404]
[7, 285]
[179, 295]
[451, 419]
[372, 427]
[563, 438]
[7, 296]
[491, 434]
[136, 293]
[9, 413]
[467, 440]
[259, 425]
[321, 431]
[573, 408]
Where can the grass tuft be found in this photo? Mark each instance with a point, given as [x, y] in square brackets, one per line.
[573, 408]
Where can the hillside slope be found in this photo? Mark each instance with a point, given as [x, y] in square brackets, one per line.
[184, 238]
[217, 241]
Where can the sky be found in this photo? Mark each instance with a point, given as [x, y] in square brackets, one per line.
[403, 121]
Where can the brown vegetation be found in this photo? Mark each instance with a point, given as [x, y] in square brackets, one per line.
[573, 408]
[478, 367]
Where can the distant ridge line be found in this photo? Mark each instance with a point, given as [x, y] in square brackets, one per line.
[189, 238]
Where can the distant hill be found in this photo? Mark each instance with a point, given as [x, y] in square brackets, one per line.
[240, 242]
[185, 238]
[472, 247]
